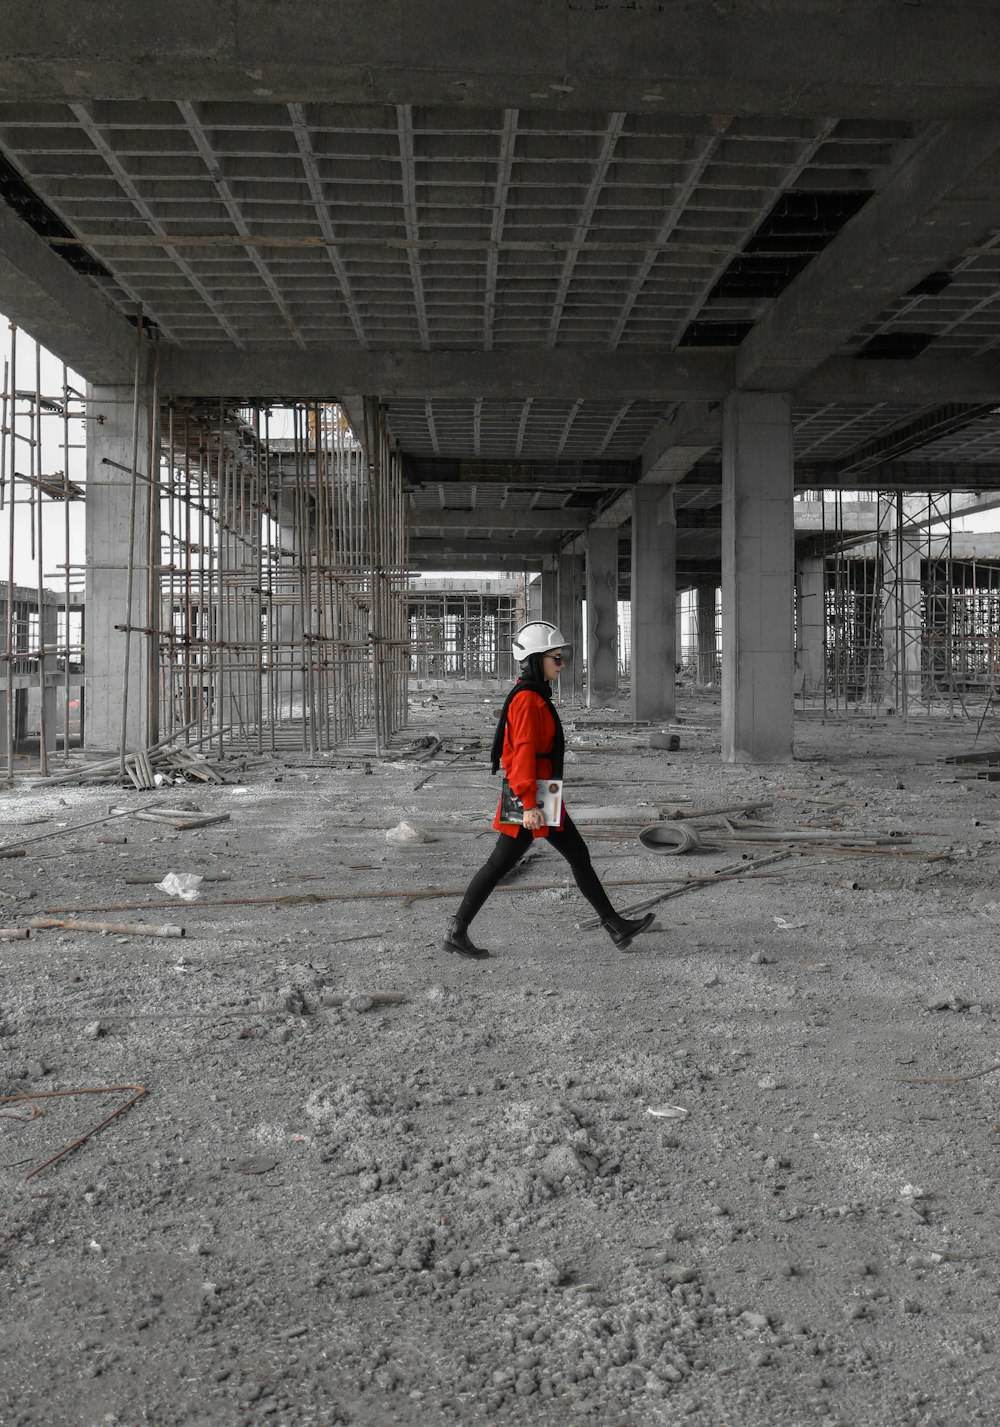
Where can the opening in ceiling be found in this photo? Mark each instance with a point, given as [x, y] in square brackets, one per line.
[18, 194]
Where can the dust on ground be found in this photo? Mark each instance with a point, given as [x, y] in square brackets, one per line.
[459, 1208]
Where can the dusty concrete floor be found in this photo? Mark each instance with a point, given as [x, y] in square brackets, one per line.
[459, 1208]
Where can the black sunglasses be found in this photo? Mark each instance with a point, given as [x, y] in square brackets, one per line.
[558, 658]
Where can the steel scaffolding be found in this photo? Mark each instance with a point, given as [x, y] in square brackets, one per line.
[274, 572]
[284, 569]
[462, 634]
[908, 625]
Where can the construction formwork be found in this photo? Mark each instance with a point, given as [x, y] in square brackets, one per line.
[271, 571]
[40, 623]
[284, 558]
[463, 633]
[909, 625]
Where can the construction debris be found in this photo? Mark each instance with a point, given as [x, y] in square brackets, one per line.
[157, 767]
[105, 928]
[180, 884]
[406, 832]
[138, 1092]
[181, 819]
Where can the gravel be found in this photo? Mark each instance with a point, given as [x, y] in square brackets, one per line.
[458, 1208]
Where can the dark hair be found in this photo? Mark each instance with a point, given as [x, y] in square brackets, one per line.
[534, 668]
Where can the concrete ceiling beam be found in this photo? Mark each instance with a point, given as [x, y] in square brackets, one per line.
[696, 377]
[817, 59]
[533, 474]
[923, 381]
[943, 198]
[677, 443]
[528, 522]
[890, 476]
[567, 373]
[61, 309]
[482, 548]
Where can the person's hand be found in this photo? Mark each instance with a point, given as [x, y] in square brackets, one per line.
[533, 819]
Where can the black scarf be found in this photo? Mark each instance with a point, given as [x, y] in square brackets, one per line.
[535, 685]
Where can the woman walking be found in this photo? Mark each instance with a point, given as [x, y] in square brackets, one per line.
[529, 745]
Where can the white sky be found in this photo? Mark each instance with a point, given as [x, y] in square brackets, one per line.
[49, 375]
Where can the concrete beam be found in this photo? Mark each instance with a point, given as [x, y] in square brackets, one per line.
[514, 564]
[821, 58]
[944, 197]
[610, 518]
[522, 549]
[528, 522]
[926, 380]
[940, 547]
[420, 470]
[679, 441]
[332, 374]
[815, 515]
[690, 376]
[61, 309]
[890, 476]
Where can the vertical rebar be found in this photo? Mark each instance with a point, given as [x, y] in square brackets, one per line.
[130, 575]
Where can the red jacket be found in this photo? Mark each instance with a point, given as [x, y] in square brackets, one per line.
[527, 748]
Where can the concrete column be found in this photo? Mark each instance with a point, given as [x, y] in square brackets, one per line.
[570, 621]
[757, 578]
[810, 674]
[109, 436]
[654, 617]
[602, 616]
[533, 598]
[49, 678]
[549, 589]
[902, 624]
[706, 633]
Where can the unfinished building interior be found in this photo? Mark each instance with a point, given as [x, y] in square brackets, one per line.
[341, 341]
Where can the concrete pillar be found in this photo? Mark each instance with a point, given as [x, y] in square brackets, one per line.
[706, 634]
[602, 616]
[757, 578]
[654, 618]
[549, 590]
[49, 677]
[570, 621]
[109, 437]
[810, 642]
[533, 602]
[902, 624]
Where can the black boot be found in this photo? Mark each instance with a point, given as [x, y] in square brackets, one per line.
[457, 940]
[621, 930]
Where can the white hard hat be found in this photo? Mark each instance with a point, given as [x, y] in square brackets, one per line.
[538, 637]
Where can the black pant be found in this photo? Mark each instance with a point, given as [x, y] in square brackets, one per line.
[509, 851]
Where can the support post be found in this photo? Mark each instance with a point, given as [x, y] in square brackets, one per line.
[810, 674]
[533, 602]
[570, 621]
[48, 676]
[902, 598]
[757, 578]
[707, 635]
[602, 616]
[549, 590]
[655, 610]
[110, 438]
